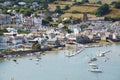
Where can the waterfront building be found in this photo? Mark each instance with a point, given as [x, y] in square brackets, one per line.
[18, 18]
[37, 21]
[7, 3]
[5, 19]
[28, 21]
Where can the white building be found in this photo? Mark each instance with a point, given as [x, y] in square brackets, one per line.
[5, 19]
[37, 21]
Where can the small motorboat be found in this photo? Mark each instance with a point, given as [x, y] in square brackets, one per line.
[15, 60]
[95, 70]
[93, 66]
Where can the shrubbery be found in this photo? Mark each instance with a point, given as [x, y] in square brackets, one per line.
[3, 31]
[117, 5]
[36, 46]
[112, 18]
[102, 10]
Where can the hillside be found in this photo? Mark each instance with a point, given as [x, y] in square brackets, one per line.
[76, 11]
[103, 1]
[95, 1]
[114, 12]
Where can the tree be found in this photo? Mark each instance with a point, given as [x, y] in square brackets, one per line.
[117, 5]
[78, 3]
[66, 7]
[102, 10]
[51, 1]
[25, 11]
[49, 18]
[113, 3]
[45, 22]
[99, 2]
[36, 46]
[85, 1]
[58, 10]
[3, 31]
[109, 18]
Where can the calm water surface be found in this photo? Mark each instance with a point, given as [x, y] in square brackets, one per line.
[56, 66]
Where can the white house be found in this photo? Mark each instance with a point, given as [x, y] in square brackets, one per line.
[75, 28]
[22, 3]
[5, 19]
[61, 25]
[37, 21]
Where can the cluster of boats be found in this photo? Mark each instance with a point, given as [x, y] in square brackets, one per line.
[94, 68]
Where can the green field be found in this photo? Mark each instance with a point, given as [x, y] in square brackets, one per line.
[89, 8]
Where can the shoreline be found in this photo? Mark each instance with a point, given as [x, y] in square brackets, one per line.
[45, 51]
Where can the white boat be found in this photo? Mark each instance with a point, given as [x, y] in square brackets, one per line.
[92, 64]
[102, 54]
[95, 70]
[92, 60]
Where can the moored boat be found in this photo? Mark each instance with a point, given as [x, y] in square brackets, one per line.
[95, 70]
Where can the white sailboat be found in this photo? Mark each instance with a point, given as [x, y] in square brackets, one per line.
[95, 70]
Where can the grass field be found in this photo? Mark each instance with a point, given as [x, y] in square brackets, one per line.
[75, 15]
[54, 6]
[60, 3]
[103, 1]
[89, 8]
[114, 13]
[82, 9]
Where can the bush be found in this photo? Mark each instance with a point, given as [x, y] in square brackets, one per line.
[99, 2]
[102, 10]
[78, 3]
[68, 30]
[117, 5]
[23, 31]
[36, 46]
[66, 7]
[3, 31]
[113, 3]
[85, 1]
[45, 22]
[49, 18]
[58, 10]
[112, 18]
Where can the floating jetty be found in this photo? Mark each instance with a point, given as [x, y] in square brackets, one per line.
[74, 53]
[101, 54]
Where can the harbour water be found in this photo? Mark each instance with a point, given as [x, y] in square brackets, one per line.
[56, 66]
